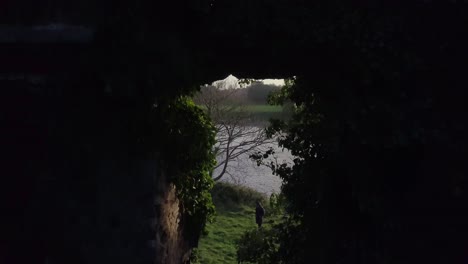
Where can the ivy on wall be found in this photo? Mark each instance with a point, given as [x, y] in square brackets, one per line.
[186, 136]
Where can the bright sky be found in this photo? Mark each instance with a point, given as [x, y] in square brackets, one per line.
[279, 82]
[231, 82]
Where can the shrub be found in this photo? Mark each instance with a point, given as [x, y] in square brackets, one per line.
[258, 246]
[231, 196]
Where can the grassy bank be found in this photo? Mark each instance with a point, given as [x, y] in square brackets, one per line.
[262, 112]
[264, 108]
[235, 208]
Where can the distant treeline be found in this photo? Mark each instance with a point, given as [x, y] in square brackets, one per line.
[255, 93]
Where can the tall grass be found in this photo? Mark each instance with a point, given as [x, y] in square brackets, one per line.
[227, 196]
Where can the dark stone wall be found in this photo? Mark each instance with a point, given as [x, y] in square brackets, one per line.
[74, 188]
[80, 183]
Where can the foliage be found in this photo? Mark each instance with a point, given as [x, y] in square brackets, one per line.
[257, 92]
[370, 124]
[281, 96]
[277, 203]
[194, 256]
[229, 196]
[244, 82]
[258, 246]
[187, 138]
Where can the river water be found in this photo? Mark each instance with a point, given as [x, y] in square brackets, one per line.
[244, 171]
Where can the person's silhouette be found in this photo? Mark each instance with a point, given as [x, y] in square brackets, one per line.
[259, 213]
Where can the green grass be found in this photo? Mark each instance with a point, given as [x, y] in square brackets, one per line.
[262, 112]
[264, 108]
[235, 208]
[265, 112]
[219, 246]
[259, 108]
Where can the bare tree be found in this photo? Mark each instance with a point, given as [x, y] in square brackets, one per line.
[237, 132]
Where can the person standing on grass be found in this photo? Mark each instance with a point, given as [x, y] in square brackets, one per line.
[259, 213]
